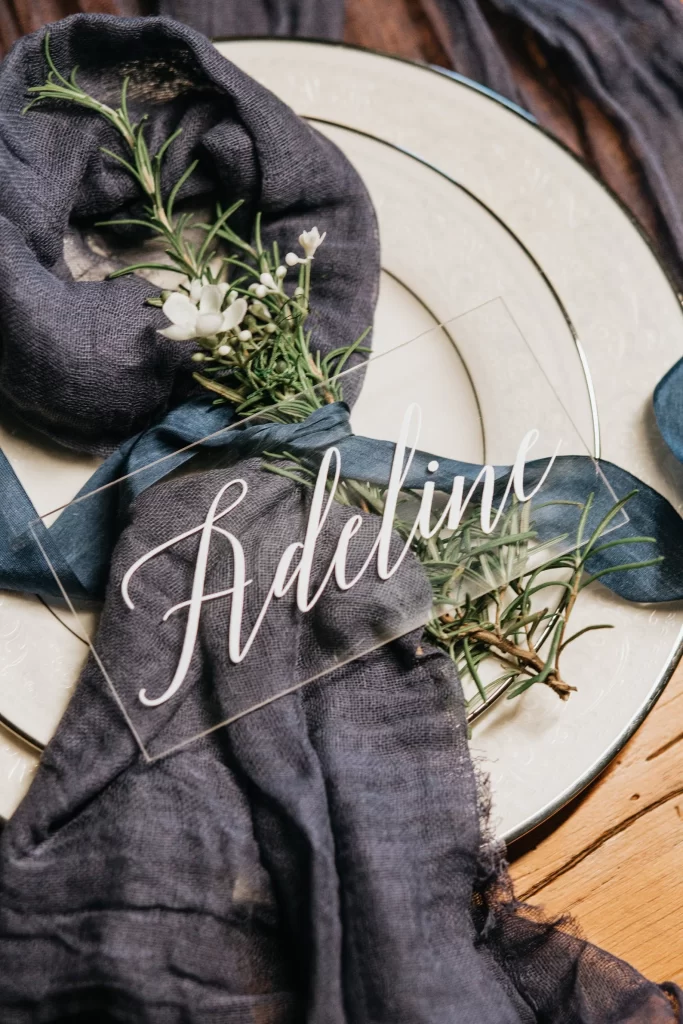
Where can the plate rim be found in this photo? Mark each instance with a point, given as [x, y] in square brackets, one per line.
[495, 97]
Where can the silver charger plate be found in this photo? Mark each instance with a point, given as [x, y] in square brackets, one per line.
[454, 237]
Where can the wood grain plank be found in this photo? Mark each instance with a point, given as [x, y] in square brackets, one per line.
[614, 859]
[627, 895]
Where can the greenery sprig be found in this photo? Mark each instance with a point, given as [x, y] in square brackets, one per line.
[249, 331]
[144, 167]
[507, 626]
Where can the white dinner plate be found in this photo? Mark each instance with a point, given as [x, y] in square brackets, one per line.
[474, 204]
[628, 322]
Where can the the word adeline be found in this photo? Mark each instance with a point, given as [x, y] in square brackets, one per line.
[295, 565]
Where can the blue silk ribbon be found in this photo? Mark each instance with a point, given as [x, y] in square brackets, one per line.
[668, 404]
[80, 542]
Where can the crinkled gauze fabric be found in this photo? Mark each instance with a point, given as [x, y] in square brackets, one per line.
[82, 360]
[319, 860]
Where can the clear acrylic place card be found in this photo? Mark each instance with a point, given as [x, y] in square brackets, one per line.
[280, 552]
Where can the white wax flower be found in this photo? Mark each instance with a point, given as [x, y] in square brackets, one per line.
[310, 241]
[197, 284]
[196, 289]
[204, 320]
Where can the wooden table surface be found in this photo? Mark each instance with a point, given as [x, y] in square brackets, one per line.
[613, 859]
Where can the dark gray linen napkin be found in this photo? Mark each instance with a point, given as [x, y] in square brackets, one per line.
[313, 861]
[82, 360]
[319, 860]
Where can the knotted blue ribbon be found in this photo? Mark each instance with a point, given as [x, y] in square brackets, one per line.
[668, 404]
[80, 543]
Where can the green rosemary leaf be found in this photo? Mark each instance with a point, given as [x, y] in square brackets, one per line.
[257, 235]
[580, 632]
[124, 163]
[620, 541]
[346, 355]
[51, 65]
[159, 155]
[127, 220]
[177, 187]
[124, 98]
[620, 568]
[243, 266]
[220, 389]
[604, 523]
[583, 520]
[142, 266]
[211, 234]
[472, 668]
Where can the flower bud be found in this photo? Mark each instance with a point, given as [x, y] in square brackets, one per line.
[198, 357]
[244, 335]
[291, 259]
[224, 350]
[258, 309]
[281, 272]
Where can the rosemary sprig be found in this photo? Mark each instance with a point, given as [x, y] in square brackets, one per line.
[263, 361]
[144, 167]
[509, 625]
[506, 630]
